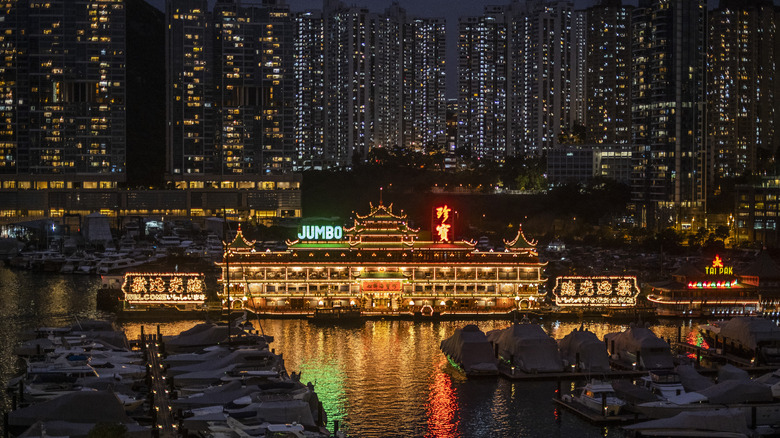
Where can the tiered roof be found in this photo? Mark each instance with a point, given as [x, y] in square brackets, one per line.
[239, 244]
[381, 227]
[520, 242]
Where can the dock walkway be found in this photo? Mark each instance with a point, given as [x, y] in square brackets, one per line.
[162, 416]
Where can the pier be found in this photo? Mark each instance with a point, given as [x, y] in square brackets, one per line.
[162, 417]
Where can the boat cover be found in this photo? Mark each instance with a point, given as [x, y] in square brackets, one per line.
[691, 379]
[737, 391]
[218, 395]
[720, 420]
[286, 411]
[654, 352]
[254, 356]
[530, 347]
[750, 331]
[53, 429]
[592, 351]
[469, 347]
[74, 407]
[730, 372]
[202, 335]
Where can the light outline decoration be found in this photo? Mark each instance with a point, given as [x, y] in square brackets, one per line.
[600, 291]
[152, 288]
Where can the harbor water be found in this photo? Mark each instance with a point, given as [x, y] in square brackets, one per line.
[382, 378]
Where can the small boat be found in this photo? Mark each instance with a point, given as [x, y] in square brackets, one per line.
[639, 348]
[599, 397]
[469, 350]
[584, 351]
[751, 338]
[336, 314]
[663, 383]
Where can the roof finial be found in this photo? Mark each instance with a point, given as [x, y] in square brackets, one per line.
[380, 195]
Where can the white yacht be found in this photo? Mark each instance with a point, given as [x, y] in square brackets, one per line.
[599, 397]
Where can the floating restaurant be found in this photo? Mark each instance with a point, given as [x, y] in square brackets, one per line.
[719, 288]
[382, 265]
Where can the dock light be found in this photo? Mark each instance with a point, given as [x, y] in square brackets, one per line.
[411, 303]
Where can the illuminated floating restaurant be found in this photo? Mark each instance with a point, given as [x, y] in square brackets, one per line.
[382, 265]
[719, 289]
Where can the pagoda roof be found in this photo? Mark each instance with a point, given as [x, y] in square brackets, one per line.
[381, 212]
[688, 270]
[520, 241]
[239, 243]
[763, 267]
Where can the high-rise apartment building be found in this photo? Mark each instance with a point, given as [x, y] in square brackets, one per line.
[667, 105]
[190, 109]
[608, 77]
[253, 58]
[482, 85]
[62, 83]
[424, 109]
[309, 70]
[742, 93]
[517, 78]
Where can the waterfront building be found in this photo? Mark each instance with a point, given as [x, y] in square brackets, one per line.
[667, 111]
[742, 94]
[62, 82]
[608, 77]
[717, 287]
[757, 209]
[381, 264]
[582, 164]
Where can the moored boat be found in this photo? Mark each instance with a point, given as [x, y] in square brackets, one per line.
[469, 350]
[528, 347]
[599, 397]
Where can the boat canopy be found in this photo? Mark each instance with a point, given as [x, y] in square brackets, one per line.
[592, 351]
[468, 347]
[738, 391]
[654, 352]
[75, 407]
[751, 331]
[691, 379]
[528, 346]
[721, 420]
[730, 372]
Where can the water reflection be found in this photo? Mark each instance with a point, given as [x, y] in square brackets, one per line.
[385, 378]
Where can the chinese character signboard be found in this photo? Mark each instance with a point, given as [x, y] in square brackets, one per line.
[164, 288]
[443, 228]
[596, 291]
[380, 285]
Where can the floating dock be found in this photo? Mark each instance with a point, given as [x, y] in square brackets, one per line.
[506, 371]
[595, 417]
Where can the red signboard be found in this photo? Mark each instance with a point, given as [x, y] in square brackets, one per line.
[443, 223]
[381, 286]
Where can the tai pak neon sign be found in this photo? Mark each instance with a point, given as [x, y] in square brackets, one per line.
[717, 268]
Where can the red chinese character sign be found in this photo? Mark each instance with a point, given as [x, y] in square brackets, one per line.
[443, 227]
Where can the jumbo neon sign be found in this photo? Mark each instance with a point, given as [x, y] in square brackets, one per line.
[320, 232]
[443, 223]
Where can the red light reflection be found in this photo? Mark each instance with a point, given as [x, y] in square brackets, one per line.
[442, 407]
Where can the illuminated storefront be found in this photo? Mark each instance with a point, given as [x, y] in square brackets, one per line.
[381, 265]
